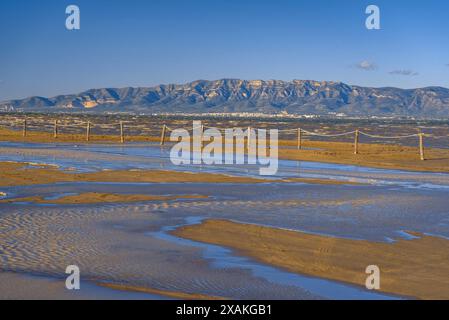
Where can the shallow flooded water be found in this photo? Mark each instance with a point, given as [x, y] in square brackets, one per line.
[93, 157]
[130, 244]
[224, 258]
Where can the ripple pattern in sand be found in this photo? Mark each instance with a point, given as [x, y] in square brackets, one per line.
[110, 245]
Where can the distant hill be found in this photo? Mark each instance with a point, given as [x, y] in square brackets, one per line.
[233, 95]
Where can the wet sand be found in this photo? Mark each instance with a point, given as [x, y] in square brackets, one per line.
[16, 286]
[21, 174]
[114, 244]
[414, 268]
[98, 198]
[171, 294]
[43, 288]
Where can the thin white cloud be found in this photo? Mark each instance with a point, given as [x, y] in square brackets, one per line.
[402, 72]
[366, 65]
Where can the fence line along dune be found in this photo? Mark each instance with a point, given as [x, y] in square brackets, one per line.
[355, 141]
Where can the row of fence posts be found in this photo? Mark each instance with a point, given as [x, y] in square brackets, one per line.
[300, 134]
[165, 129]
[88, 130]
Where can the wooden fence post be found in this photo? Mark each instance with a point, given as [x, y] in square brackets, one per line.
[421, 146]
[202, 136]
[55, 132]
[299, 139]
[88, 131]
[122, 136]
[356, 142]
[24, 132]
[164, 128]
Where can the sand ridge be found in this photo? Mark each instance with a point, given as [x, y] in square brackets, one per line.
[21, 174]
[14, 174]
[101, 198]
[412, 268]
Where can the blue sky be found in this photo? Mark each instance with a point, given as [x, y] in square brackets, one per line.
[144, 43]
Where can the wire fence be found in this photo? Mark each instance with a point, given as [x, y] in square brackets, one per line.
[131, 129]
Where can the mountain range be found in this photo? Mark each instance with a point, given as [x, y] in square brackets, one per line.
[253, 96]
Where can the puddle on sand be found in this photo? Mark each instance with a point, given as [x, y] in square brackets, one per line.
[60, 195]
[224, 258]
